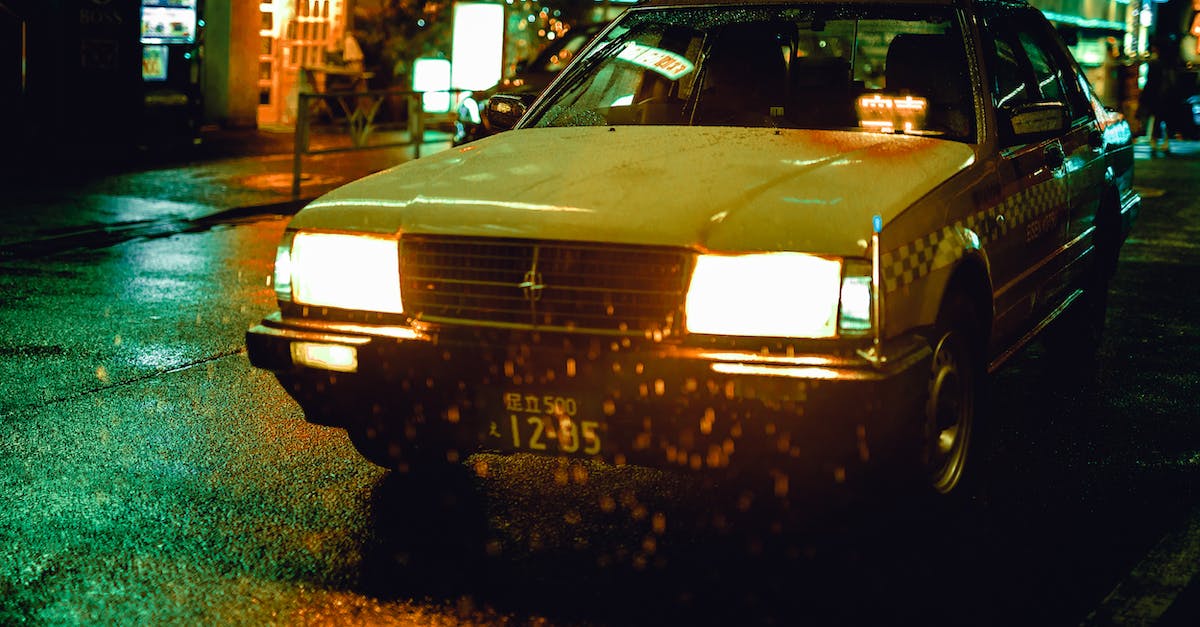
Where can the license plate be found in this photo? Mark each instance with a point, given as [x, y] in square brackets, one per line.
[548, 424]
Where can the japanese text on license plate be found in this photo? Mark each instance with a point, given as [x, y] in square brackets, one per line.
[545, 424]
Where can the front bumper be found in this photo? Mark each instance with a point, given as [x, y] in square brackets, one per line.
[658, 405]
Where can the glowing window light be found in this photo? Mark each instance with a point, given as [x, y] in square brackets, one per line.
[478, 46]
[432, 76]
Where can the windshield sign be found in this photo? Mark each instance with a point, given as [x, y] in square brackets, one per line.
[665, 62]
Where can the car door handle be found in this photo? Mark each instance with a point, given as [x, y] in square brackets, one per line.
[1054, 156]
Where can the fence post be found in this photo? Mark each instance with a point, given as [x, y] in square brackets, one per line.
[299, 142]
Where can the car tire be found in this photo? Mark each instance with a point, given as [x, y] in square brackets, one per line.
[955, 381]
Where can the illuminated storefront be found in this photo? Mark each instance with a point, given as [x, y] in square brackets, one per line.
[489, 38]
[294, 34]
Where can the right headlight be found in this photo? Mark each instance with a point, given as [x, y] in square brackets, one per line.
[360, 272]
[778, 295]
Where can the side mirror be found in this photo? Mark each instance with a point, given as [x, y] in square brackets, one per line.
[1035, 121]
[505, 110]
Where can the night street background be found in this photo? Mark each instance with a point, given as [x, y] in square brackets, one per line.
[149, 475]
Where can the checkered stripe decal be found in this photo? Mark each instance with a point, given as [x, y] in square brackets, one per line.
[911, 261]
[918, 258]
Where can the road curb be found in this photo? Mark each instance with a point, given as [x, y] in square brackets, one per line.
[283, 208]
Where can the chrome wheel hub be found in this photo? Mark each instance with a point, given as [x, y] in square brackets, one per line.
[949, 414]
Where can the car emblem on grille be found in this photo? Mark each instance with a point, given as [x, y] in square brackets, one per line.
[531, 285]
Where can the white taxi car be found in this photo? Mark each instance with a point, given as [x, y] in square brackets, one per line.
[791, 237]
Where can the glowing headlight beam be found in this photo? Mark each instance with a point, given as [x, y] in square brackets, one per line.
[765, 295]
[358, 272]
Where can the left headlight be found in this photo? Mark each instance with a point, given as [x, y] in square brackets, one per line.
[765, 295]
[360, 272]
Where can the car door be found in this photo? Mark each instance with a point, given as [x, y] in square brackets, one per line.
[1028, 224]
[1059, 79]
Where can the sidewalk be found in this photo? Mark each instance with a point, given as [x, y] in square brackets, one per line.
[82, 190]
[1179, 149]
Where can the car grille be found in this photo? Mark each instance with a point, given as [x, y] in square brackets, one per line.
[569, 286]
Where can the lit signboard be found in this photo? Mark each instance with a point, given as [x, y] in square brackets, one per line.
[478, 45]
[168, 21]
[432, 76]
[154, 63]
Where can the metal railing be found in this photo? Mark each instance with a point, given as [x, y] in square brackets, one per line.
[359, 111]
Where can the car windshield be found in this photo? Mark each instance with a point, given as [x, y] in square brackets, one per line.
[894, 69]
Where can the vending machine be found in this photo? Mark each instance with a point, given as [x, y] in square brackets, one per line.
[171, 65]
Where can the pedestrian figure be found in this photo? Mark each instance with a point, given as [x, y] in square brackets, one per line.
[1154, 102]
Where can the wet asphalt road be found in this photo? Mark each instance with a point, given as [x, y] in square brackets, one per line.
[149, 475]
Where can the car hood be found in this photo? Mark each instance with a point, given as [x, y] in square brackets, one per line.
[707, 188]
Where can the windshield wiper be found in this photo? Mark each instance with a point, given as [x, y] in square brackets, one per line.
[572, 74]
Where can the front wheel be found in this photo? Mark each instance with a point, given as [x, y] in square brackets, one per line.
[951, 402]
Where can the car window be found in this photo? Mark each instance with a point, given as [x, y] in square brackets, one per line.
[1028, 64]
[872, 68]
[1044, 71]
[1009, 86]
[1076, 90]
